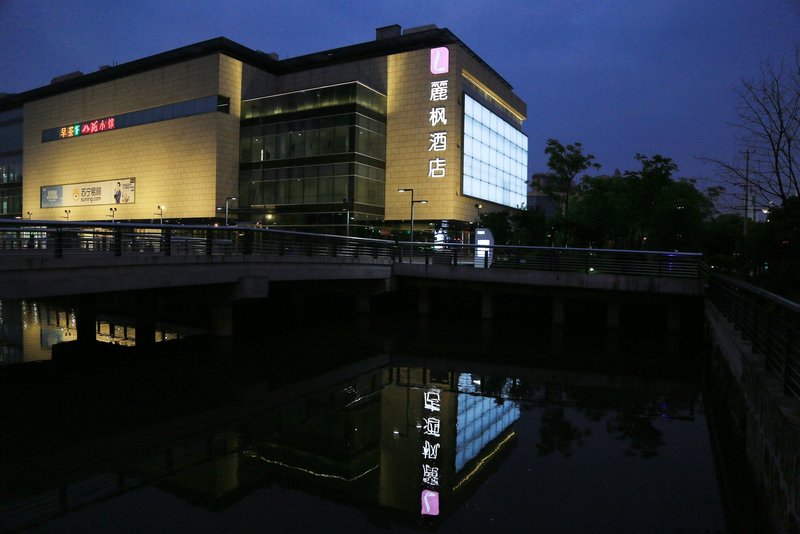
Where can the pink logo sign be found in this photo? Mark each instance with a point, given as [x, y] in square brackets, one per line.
[430, 502]
[440, 60]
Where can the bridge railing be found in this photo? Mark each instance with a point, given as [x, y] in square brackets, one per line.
[59, 239]
[580, 260]
[770, 322]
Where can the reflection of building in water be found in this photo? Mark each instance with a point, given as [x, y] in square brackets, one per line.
[480, 419]
[472, 428]
[360, 439]
[122, 331]
[37, 326]
[30, 328]
[10, 333]
[356, 435]
[356, 439]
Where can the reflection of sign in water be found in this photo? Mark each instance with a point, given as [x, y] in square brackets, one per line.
[120, 191]
[431, 431]
[430, 502]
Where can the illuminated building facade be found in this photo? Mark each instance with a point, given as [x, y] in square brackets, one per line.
[320, 142]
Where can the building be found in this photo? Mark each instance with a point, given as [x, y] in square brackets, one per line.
[323, 142]
[544, 194]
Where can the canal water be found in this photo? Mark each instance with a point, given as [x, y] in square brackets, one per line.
[311, 423]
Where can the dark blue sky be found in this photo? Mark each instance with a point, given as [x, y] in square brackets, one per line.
[625, 76]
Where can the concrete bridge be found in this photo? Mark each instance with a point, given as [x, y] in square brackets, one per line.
[40, 259]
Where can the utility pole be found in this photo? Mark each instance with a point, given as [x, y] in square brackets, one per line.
[746, 191]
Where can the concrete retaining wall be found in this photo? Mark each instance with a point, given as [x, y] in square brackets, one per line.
[771, 422]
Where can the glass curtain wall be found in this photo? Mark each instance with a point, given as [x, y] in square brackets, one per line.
[315, 159]
[11, 163]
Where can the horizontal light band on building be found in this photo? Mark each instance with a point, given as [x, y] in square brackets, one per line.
[315, 98]
[491, 94]
[186, 108]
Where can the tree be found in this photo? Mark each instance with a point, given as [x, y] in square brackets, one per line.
[567, 162]
[643, 209]
[768, 124]
[499, 222]
[774, 250]
[529, 226]
[603, 212]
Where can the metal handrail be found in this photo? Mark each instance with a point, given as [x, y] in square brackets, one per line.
[59, 238]
[579, 260]
[55, 238]
[770, 322]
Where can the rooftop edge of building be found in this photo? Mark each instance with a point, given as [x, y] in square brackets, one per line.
[389, 40]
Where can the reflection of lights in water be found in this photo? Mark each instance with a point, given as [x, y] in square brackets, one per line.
[251, 454]
[484, 460]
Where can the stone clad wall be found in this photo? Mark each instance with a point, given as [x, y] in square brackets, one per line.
[188, 164]
[771, 422]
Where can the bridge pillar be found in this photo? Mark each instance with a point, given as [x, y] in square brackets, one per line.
[221, 319]
[487, 310]
[145, 330]
[559, 312]
[86, 319]
[144, 318]
[424, 301]
[362, 304]
[673, 320]
[612, 314]
[559, 306]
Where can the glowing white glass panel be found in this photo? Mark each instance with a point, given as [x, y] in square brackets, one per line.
[495, 157]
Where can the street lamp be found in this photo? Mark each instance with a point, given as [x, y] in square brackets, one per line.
[113, 213]
[30, 215]
[405, 190]
[160, 214]
[227, 202]
[67, 212]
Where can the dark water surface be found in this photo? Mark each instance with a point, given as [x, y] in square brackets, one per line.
[332, 425]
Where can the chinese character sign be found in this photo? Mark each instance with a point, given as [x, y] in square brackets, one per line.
[437, 117]
[87, 128]
[439, 91]
[119, 191]
[440, 60]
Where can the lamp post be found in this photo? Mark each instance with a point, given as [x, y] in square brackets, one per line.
[227, 202]
[408, 189]
[113, 213]
[67, 212]
[30, 215]
[160, 214]
[347, 222]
